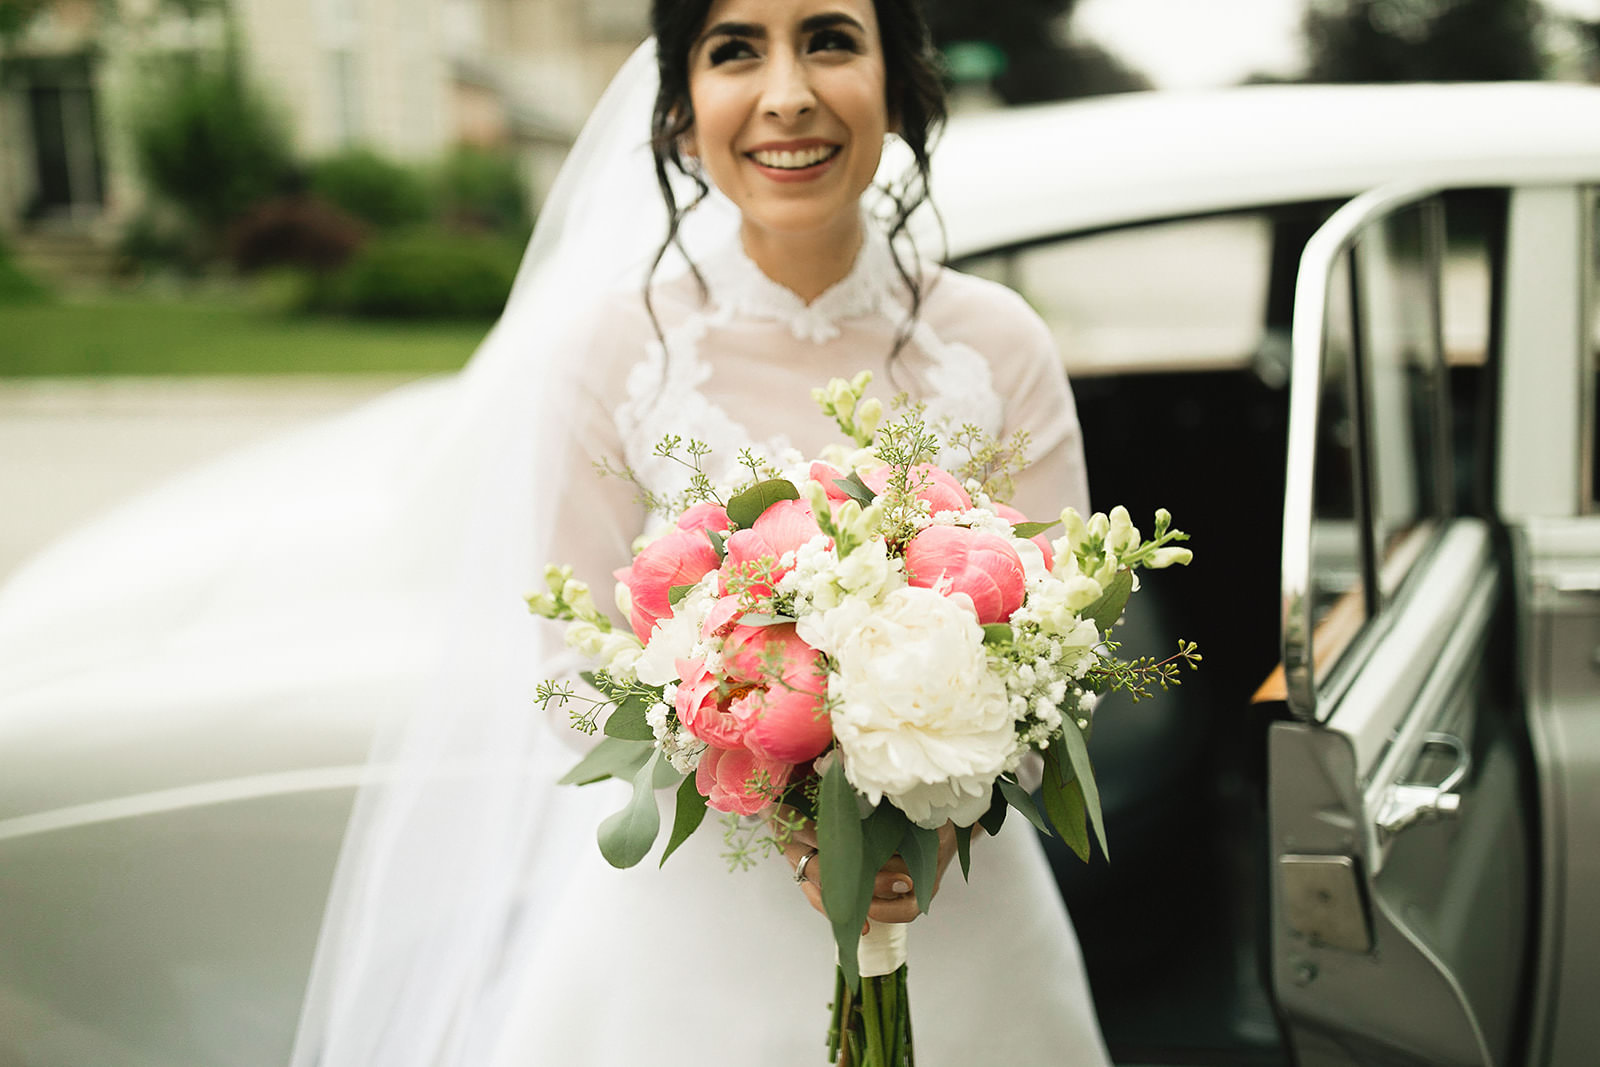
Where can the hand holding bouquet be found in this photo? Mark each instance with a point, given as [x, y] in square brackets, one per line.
[866, 646]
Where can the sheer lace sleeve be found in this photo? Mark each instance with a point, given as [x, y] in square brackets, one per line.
[596, 517]
[1031, 384]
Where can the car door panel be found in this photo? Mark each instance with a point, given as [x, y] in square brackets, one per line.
[1395, 790]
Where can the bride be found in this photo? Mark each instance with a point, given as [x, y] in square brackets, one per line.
[472, 920]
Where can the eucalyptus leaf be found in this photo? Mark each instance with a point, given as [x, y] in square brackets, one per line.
[1032, 529]
[964, 851]
[678, 592]
[626, 836]
[997, 633]
[920, 850]
[1078, 752]
[1107, 609]
[691, 811]
[746, 508]
[1018, 798]
[839, 842]
[627, 721]
[667, 775]
[611, 758]
[995, 817]
[1063, 803]
[856, 489]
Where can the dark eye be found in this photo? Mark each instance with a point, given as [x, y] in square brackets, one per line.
[833, 41]
[731, 49]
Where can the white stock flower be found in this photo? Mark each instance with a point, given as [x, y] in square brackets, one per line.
[918, 714]
[1166, 557]
[868, 572]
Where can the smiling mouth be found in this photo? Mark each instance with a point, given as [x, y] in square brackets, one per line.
[797, 160]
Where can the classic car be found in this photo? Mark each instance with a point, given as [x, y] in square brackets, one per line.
[1346, 336]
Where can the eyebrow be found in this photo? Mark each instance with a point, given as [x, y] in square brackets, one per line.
[810, 24]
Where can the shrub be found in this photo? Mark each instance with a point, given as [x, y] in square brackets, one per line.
[481, 191]
[376, 190]
[294, 231]
[207, 141]
[426, 275]
[161, 241]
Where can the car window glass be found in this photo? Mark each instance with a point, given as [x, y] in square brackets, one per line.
[1397, 315]
[1188, 294]
[1338, 594]
[1592, 414]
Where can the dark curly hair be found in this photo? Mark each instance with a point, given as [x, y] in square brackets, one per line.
[915, 99]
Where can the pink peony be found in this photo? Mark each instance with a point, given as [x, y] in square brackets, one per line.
[825, 474]
[934, 484]
[726, 774]
[682, 557]
[702, 707]
[1013, 516]
[984, 566]
[783, 527]
[780, 703]
[704, 516]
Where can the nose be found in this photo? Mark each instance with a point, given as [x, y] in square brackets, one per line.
[787, 93]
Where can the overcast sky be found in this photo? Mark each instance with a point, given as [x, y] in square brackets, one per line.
[1182, 44]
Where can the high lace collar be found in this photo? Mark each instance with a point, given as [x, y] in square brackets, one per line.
[740, 289]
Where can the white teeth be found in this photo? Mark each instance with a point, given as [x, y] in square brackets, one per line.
[807, 157]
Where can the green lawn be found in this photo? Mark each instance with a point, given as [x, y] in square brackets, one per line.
[216, 335]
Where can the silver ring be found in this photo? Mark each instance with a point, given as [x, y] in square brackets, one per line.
[800, 868]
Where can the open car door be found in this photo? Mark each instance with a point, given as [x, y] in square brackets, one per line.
[1402, 857]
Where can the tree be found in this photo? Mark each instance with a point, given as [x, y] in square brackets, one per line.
[1422, 40]
[1037, 60]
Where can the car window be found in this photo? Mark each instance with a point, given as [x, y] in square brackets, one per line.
[1189, 294]
[1397, 264]
[1591, 419]
[1338, 590]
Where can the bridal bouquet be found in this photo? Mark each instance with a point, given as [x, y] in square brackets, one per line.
[866, 644]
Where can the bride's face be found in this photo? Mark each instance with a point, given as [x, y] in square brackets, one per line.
[790, 109]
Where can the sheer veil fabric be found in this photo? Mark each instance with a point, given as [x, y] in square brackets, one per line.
[366, 575]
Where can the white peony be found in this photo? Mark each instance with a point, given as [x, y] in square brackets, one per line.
[918, 714]
[677, 636]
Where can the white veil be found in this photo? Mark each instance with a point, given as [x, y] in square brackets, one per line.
[430, 914]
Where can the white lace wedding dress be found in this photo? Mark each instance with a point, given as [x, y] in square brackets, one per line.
[692, 964]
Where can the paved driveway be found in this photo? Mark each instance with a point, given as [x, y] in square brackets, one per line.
[72, 448]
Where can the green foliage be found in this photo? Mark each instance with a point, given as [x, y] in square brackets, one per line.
[1423, 40]
[425, 275]
[482, 191]
[690, 812]
[748, 506]
[626, 836]
[374, 189]
[206, 140]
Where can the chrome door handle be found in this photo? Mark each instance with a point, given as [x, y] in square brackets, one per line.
[1407, 803]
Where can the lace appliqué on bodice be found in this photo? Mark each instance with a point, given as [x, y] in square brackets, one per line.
[664, 390]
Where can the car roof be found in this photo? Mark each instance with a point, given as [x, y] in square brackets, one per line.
[1008, 176]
